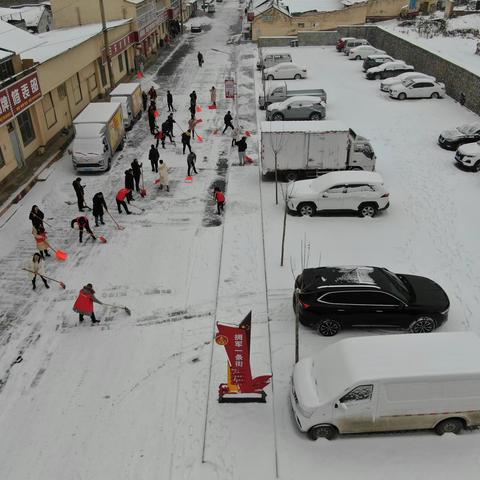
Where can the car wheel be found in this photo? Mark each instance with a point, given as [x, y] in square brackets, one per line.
[291, 176]
[435, 95]
[315, 116]
[377, 76]
[451, 425]
[270, 77]
[277, 117]
[322, 431]
[307, 209]
[476, 167]
[423, 325]
[367, 210]
[358, 57]
[297, 77]
[328, 327]
[402, 96]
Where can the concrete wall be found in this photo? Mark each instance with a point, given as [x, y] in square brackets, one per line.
[317, 38]
[275, 41]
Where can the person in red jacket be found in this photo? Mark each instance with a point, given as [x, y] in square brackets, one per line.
[84, 303]
[82, 223]
[124, 193]
[220, 198]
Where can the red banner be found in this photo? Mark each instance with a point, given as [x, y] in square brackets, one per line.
[17, 97]
[119, 46]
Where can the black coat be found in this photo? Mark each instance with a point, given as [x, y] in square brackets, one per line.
[78, 188]
[129, 183]
[153, 155]
[186, 138]
[137, 169]
[98, 205]
[193, 98]
[37, 218]
[242, 145]
[227, 119]
[169, 98]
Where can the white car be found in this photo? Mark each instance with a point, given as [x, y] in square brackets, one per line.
[468, 156]
[285, 71]
[417, 88]
[388, 69]
[388, 83]
[360, 191]
[363, 51]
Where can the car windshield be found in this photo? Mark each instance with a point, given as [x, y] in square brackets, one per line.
[397, 286]
[408, 83]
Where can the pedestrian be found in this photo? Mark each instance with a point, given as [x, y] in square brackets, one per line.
[144, 100]
[170, 101]
[227, 120]
[153, 105]
[80, 192]
[191, 160]
[191, 125]
[36, 216]
[137, 173]
[151, 119]
[220, 198]
[124, 193]
[235, 135]
[186, 136]
[82, 223]
[152, 94]
[200, 59]
[98, 205]
[213, 96]
[193, 98]
[170, 121]
[153, 156]
[36, 267]
[40, 236]
[84, 303]
[160, 135]
[129, 181]
[164, 179]
[242, 147]
[192, 110]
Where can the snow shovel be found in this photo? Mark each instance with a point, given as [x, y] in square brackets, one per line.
[199, 138]
[188, 179]
[60, 254]
[248, 159]
[138, 208]
[198, 109]
[120, 227]
[143, 191]
[127, 310]
[62, 285]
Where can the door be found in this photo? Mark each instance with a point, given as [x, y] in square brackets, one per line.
[295, 111]
[332, 199]
[358, 194]
[354, 412]
[15, 145]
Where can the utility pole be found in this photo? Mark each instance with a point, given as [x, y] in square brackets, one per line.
[181, 16]
[105, 44]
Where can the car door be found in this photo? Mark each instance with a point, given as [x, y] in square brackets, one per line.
[417, 90]
[332, 199]
[294, 111]
[357, 194]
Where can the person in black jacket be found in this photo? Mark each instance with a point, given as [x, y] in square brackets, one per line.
[82, 223]
[151, 119]
[129, 182]
[186, 136]
[36, 216]
[200, 59]
[191, 160]
[227, 120]
[242, 147]
[144, 100]
[79, 191]
[193, 99]
[98, 206]
[153, 156]
[169, 123]
[170, 101]
[137, 172]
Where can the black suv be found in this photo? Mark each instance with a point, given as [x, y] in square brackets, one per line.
[452, 139]
[376, 60]
[331, 298]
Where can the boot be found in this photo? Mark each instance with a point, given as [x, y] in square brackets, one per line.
[33, 283]
[45, 283]
[46, 253]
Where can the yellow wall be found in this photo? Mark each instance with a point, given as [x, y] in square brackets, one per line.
[354, 15]
[385, 8]
[7, 151]
[280, 25]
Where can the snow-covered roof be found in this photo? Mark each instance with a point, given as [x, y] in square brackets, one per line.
[61, 40]
[349, 3]
[5, 54]
[30, 14]
[99, 112]
[125, 88]
[310, 126]
[16, 39]
[135, 2]
[267, 5]
[300, 6]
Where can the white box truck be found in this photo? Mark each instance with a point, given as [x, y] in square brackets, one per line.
[278, 92]
[99, 133]
[129, 95]
[310, 148]
[389, 383]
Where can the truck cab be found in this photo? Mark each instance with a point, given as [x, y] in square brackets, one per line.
[91, 150]
[361, 155]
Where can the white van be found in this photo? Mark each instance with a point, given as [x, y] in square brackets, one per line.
[389, 383]
[271, 59]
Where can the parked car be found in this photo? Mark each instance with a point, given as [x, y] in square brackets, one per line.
[388, 69]
[376, 60]
[341, 43]
[297, 108]
[452, 139]
[271, 59]
[331, 298]
[356, 42]
[196, 28]
[389, 383]
[390, 82]
[285, 70]
[357, 191]
[417, 88]
[363, 51]
[468, 156]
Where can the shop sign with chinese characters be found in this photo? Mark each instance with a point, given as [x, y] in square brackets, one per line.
[229, 88]
[116, 48]
[17, 97]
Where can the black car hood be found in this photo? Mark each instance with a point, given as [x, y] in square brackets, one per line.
[426, 293]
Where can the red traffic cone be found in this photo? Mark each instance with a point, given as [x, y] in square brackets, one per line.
[198, 109]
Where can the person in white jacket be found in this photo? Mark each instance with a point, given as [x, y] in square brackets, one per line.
[213, 96]
[37, 268]
[235, 135]
[163, 176]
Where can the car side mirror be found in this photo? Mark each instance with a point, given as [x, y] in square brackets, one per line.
[325, 195]
[343, 406]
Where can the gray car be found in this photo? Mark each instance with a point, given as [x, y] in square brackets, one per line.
[297, 108]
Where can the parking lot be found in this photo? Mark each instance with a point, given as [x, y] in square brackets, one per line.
[430, 229]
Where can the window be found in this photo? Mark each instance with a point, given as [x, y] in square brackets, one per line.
[62, 91]
[49, 110]
[362, 392]
[361, 298]
[301, 25]
[360, 188]
[26, 127]
[120, 63]
[2, 159]
[77, 89]
[6, 70]
[92, 82]
[336, 189]
[103, 74]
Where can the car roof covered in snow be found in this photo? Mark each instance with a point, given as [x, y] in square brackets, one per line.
[321, 277]
[100, 112]
[347, 177]
[308, 126]
[376, 56]
[360, 360]
[125, 89]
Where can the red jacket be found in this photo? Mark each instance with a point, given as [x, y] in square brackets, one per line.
[220, 197]
[122, 194]
[84, 302]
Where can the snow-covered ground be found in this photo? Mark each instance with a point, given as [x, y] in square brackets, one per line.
[136, 397]
[458, 50]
